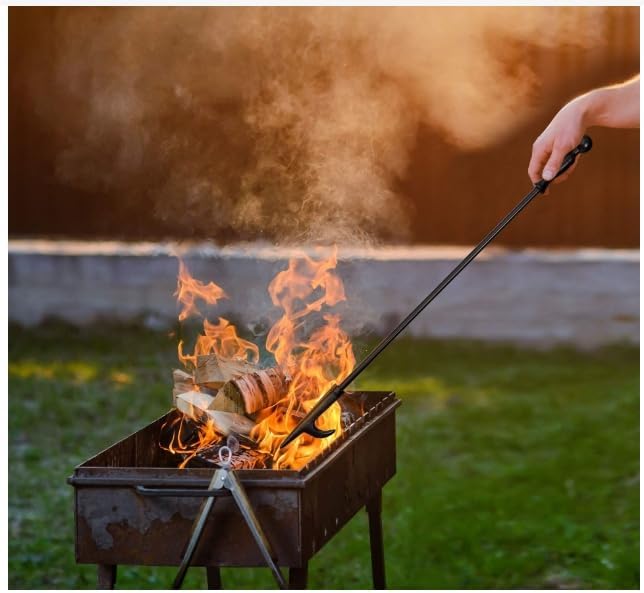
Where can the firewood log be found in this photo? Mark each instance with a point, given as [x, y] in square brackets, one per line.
[222, 403]
[213, 371]
[251, 392]
[228, 423]
[194, 404]
[182, 383]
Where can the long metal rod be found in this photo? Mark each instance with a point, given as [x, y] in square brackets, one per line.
[432, 295]
[307, 424]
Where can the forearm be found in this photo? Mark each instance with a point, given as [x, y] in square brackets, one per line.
[616, 106]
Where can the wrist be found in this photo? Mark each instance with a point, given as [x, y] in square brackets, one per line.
[587, 107]
[593, 105]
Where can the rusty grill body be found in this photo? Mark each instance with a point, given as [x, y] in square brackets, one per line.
[134, 506]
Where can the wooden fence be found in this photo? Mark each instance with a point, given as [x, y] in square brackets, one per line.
[452, 196]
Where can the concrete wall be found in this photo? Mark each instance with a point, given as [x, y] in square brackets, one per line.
[586, 297]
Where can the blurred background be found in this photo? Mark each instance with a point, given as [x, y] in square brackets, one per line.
[241, 137]
[355, 124]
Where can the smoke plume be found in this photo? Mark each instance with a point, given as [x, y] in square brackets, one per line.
[289, 124]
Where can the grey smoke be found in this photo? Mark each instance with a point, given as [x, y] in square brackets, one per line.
[291, 124]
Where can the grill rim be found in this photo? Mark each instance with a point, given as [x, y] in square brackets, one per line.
[87, 475]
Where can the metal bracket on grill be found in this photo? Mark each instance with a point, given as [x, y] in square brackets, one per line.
[223, 479]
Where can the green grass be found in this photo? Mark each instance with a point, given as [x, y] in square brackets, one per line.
[516, 468]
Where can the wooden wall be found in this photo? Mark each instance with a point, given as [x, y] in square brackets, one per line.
[465, 193]
[452, 196]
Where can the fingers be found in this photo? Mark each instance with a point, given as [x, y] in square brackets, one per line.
[547, 156]
[554, 162]
[540, 152]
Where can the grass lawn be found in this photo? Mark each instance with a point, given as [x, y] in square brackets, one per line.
[516, 468]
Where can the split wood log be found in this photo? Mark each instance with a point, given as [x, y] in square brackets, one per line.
[182, 383]
[229, 423]
[213, 371]
[251, 392]
[194, 404]
[222, 403]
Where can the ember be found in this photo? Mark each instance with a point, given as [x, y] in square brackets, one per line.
[226, 391]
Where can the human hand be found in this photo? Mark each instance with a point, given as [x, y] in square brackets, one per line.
[562, 135]
[616, 106]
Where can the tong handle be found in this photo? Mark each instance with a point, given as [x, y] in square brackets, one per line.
[584, 146]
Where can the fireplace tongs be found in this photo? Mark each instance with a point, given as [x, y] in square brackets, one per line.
[307, 424]
[225, 477]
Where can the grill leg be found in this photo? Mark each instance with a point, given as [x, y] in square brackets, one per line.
[374, 510]
[213, 577]
[297, 577]
[106, 576]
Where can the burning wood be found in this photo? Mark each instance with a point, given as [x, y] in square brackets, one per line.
[252, 392]
[245, 394]
[229, 392]
[195, 405]
[229, 423]
[214, 371]
[244, 389]
[182, 383]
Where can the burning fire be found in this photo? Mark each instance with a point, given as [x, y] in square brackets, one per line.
[308, 345]
[221, 339]
[189, 290]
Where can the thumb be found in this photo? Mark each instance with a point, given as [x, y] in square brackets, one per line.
[554, 162]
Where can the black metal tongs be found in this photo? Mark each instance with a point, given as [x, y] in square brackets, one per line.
[307, 424]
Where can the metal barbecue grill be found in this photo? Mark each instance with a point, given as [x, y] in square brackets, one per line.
[134, 506]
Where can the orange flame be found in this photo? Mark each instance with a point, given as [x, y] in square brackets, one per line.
[189, 290]
[312, 349]
[207, 435]
[314, 362]
[220, 339]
